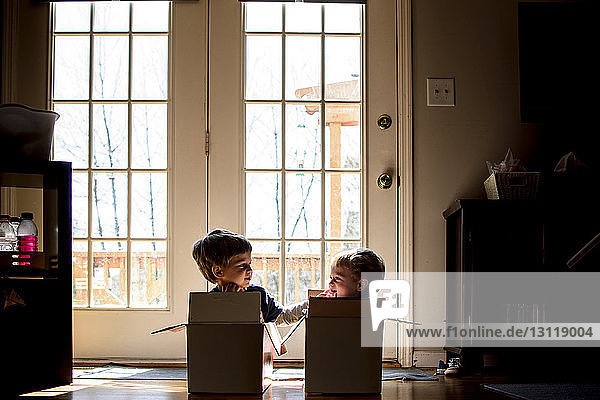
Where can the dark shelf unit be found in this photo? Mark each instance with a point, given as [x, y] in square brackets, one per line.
[518, 236]
[488, 236]
[36, 306]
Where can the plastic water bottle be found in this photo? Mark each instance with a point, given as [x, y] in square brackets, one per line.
[27, 233]
[8, 237]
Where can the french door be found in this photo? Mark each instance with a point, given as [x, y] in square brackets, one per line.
[295, 153]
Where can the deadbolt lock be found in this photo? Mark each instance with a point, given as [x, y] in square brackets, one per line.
[384, 121]
[384, 181]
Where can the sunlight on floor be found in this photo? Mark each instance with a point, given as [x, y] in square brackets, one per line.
[288, 384]
[78, 384]
[151, 386]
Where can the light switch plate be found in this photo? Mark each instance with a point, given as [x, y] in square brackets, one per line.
[440, 92]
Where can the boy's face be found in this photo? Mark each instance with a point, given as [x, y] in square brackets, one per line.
[342, 283]
[237, 271]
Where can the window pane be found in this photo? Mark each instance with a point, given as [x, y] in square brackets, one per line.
[150, 16]
[263, 17]
[71, 134]
[303, 17]
[263, 67]
[71, 68]
[303, 67]
[342, 205]
[263, 205]
[149, 136]
[80, 273]
[303, 136]
[342, 18]
[109, 269]
[148, 274]
[263, 136]
[72, 17]
[123, 134]
[303, 205]
[149, 73]
[342, 68]
[266, 261]
[331, 249]
[80, 204]
[149, 205]
[111, 16]
[342, 136]
[110, 136]
[109, 204]
[303, 270]
[111, 66]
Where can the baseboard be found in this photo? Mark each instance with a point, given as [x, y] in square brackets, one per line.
[162, 363]
[85, 362]
[150, 363]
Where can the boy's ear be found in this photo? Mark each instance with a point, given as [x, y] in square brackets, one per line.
[362, 285]
[217, 271]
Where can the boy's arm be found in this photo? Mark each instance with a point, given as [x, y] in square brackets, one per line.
[291, 314]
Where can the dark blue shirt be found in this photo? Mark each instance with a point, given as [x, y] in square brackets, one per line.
[269, 307]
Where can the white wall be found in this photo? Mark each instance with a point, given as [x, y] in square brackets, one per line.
[476, 43]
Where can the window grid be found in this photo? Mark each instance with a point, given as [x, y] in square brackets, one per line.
[91, 170]
[283, 169]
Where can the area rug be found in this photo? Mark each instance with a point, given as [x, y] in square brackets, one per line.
[406, 374]
[387, 374]
[174, 373]
[123, 372]
[542, 391]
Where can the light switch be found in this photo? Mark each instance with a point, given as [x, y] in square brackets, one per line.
[440, 92]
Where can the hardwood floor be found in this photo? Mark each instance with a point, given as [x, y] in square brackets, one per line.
[445, 388]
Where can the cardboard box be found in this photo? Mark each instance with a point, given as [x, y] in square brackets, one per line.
[229, 348]
[335, 362]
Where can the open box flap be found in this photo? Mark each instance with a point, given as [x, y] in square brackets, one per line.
[293, 329]
[276, 338]
[172, 328]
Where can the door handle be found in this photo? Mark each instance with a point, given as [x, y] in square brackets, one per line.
[384, 121]
[384, 181]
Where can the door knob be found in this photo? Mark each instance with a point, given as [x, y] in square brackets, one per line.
[384, 121]
[384, 181]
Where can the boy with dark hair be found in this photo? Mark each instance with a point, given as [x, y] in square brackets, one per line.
[225, 259]
[346, 268]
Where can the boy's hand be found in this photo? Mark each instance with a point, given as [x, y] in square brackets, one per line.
[231, 287]
[327, 293]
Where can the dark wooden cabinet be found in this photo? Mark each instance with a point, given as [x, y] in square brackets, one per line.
[487, 236]
[35, 299]
[494, 236]
[515, 236]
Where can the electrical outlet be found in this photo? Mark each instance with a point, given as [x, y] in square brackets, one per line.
[440, 92]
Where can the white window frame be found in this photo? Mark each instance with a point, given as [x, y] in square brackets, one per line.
[130, 171]
[282, 170]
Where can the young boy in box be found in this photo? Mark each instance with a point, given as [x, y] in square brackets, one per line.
[225, 258]
[346, 268]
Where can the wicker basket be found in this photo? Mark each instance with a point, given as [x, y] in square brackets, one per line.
[513, 185]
